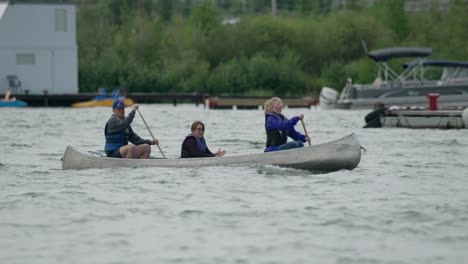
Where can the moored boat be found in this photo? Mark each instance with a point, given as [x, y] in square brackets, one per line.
[104, 100]
[344, 153]
[408, 86]
[101, 103]
[11, 102]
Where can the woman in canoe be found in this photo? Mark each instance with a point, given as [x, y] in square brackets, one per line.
[194, 145]
[279, 128]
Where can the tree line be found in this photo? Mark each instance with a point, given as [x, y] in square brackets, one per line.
[238, 47]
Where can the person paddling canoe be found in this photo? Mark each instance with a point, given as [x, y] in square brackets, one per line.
[118, 133]
[194, 144]
[279, 128]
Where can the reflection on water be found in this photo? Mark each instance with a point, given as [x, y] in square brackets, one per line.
[405, 203]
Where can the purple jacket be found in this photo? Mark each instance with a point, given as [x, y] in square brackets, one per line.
[275, 122]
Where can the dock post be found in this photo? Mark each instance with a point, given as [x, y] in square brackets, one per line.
[46, 98]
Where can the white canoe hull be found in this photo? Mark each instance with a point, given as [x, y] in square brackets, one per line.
[344, 153]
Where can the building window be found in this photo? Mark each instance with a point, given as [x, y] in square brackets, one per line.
[25, 58]
[60, 20]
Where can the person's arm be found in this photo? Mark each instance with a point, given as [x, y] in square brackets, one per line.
[115, 124]
[292, 133]
[135, 139]
[207, 151]
[192, 148]
[276, 123]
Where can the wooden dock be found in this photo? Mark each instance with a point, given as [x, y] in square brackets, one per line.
[212, 102]
[64, 100]
[244, 102]
[418, 118]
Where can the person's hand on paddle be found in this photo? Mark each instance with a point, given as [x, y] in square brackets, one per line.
[135, 107]
[220, 153]
[301, 117]
[155, 142]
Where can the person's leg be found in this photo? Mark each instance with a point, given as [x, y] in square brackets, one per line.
[114, 154]
[142, 151]
[291, 145]
[128, 151]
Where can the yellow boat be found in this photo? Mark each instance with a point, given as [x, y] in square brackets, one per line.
[102, 102]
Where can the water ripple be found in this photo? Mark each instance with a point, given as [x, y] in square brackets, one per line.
[189, 212]
[30, 194]
[18, 145]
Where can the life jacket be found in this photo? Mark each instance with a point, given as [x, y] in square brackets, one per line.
[276, 137]
[115, 140]
[184, 153]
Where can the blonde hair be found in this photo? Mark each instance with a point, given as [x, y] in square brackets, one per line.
[268, 106]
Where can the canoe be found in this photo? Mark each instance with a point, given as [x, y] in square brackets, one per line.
[344, 153]
[103, 103]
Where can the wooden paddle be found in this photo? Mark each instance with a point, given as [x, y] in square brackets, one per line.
[150, 132]
[305, 130]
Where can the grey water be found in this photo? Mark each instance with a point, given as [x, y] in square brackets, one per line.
[406, 202]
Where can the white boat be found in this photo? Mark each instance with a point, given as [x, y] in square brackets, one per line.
[344, 153]
[410, 85]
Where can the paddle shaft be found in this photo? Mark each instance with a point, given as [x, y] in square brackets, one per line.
[142, 118]
[305, 130]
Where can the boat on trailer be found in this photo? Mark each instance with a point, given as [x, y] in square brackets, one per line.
[406, 87]
[344, 153]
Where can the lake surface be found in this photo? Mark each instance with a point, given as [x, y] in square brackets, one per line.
[406, 202]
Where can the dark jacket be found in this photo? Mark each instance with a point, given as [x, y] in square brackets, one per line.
[278, 129]
[190, 149]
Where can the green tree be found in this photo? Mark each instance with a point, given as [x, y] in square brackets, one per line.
[131, 43]
[392, 14]
[305, 7]
[166, 9]
[456, 29]
[204, 18]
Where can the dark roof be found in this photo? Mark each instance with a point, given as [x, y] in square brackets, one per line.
[389, 53]
[441, 63]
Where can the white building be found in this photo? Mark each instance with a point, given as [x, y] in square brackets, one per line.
[38, 50]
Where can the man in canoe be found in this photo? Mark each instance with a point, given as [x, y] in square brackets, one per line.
[194, 145]
[279, 128]
[118, 133]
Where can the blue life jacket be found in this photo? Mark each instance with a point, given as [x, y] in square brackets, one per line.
[115, 140]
